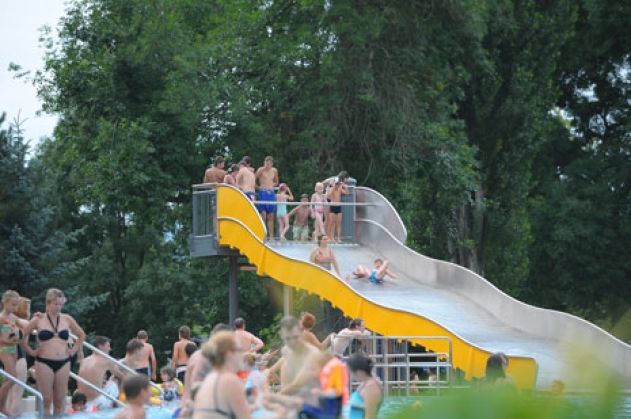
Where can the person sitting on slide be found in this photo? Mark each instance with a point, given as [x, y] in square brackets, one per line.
[376, 275]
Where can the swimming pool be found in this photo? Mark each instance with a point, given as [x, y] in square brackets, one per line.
[391, 407]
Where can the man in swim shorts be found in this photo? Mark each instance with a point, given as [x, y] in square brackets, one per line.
[246, 181]
[267, 175]
[301, 220]
[376, 275]
[334, 219]
[180, 357]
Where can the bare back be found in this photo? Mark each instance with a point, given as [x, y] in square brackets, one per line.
[93, 369]
[179, 354]
[197, 369]
[214, 175]
[246, 181]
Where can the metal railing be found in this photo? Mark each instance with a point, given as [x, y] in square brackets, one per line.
[39, 399]
[395, 362]
[205, 209]
[116, 362]
[99, 390]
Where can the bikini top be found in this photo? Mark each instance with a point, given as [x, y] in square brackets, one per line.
[44, 335]
[321, 257]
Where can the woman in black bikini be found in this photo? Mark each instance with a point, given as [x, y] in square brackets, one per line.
[222, 394]
[52, 356]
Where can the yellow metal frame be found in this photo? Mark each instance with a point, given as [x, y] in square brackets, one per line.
[241, 227]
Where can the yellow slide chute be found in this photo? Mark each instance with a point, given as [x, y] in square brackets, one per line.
[240, 227]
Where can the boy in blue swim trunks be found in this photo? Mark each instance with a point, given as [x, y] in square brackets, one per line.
[376, 275]
[267, 176]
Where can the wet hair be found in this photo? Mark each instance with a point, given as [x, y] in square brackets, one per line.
[494, 368]
[184, 332]
[247, 160]
[218, 160]
[243, 163]
[249, 359]
[233, 168]
[53, 294]
[239, 323]
[307, 320]
[133, 346]
[134, 384]
[218, 346]
[142, 334]
[355, 323]
[23, 306]
[360, 362]
[190, 348]
[102, 340]
[219, 327]
[168, 371]
[288, 323]
[79, 397]
[320, 238]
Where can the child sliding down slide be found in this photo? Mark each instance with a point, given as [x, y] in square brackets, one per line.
[376, 275]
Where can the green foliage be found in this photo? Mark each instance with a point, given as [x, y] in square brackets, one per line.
[499, 405]
[34, 253]
[498, 129]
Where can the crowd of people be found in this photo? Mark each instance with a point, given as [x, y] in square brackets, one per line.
[324, 207]
[227, 376]
[263, 187]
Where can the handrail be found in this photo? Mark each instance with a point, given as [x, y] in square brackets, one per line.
[38, 396]
[117, 362]
[97, 389]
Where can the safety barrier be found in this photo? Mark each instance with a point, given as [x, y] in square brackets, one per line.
[399, 367]
[39, 399]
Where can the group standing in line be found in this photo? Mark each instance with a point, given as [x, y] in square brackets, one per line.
[272, 196]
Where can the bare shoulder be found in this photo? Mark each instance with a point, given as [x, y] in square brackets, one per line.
[372, 388]
[69, 318]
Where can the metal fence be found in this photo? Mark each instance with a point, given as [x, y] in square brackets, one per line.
[401, 365]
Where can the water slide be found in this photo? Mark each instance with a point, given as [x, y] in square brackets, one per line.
[430, 298]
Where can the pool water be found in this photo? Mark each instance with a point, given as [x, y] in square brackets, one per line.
[390, 407]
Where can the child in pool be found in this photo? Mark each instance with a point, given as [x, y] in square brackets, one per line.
[137, 393]
[171, 386]
[284, 194]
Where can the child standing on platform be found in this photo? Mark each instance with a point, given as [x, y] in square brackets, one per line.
[301, 220]
[317, 211]
[284, 194]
